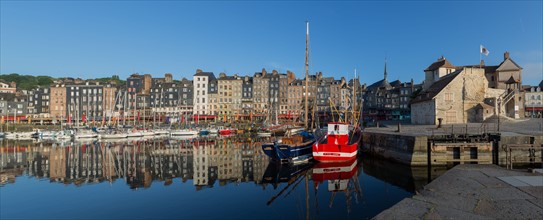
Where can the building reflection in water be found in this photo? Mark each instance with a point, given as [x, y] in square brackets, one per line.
[335, 190]
[205, 161]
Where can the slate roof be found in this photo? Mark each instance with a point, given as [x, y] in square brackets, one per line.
[396, 83]
[381, 83]
[437, 87]
[297, 82]
[210, 75]
[7, 96]
[512, 61]
[442, 62]
[484, 105]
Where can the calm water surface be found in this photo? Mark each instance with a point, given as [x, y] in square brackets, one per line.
[204, 178]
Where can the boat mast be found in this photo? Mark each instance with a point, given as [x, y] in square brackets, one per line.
[125, 109]
[135, 108]
[144, 119]
[306, 118]
[354, 93]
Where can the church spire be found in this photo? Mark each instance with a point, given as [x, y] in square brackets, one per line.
[386, 68]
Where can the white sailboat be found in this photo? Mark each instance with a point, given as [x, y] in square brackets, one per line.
[113, 135]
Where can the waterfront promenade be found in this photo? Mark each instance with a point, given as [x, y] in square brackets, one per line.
[471, 191]
[525, 126]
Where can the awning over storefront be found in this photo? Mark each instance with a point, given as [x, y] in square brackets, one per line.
[289, 116]
[533, 109]
[204, 117]
[11, 117]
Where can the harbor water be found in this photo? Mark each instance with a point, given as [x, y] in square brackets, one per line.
[199, 178]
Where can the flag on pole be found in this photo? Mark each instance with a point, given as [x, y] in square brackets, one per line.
[483, 50]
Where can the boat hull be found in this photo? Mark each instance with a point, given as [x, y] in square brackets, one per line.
[113, 136]
[335, 171]
[225, 132]
[337, 148]
[285, 153]
[183, 133]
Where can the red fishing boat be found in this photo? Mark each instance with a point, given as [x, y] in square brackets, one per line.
[225, 131]
[339, 144]
[341, 177]
[339, 171]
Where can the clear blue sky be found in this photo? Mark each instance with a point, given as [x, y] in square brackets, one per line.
[101, 38]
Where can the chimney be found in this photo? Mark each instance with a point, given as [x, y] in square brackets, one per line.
[168, 77]
[506, 55]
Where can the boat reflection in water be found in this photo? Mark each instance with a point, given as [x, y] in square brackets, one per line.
[339, 177]
[201, 178]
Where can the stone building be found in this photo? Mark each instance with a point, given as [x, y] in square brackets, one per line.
[335, 92]
[504, 82]
[498, 76]
[296, 97]
[437, 70]
[109, 95]
[261, 86]
[283, 92]
[533, 101]
[58, 102]
[345, 102]
[229, 98]
[454, 98]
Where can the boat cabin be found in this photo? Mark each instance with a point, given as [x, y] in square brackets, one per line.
[338, 129]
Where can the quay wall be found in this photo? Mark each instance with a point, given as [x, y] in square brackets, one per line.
[405, 149]
[413, 149]
[520, 148]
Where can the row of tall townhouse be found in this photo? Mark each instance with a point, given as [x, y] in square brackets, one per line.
[90, 99]
[262, 94]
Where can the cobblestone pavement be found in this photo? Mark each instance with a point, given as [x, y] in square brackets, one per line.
[471, 191]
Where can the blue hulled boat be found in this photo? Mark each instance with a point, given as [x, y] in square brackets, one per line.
[297, 148]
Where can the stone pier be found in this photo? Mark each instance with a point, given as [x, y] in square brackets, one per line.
[470, 191]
